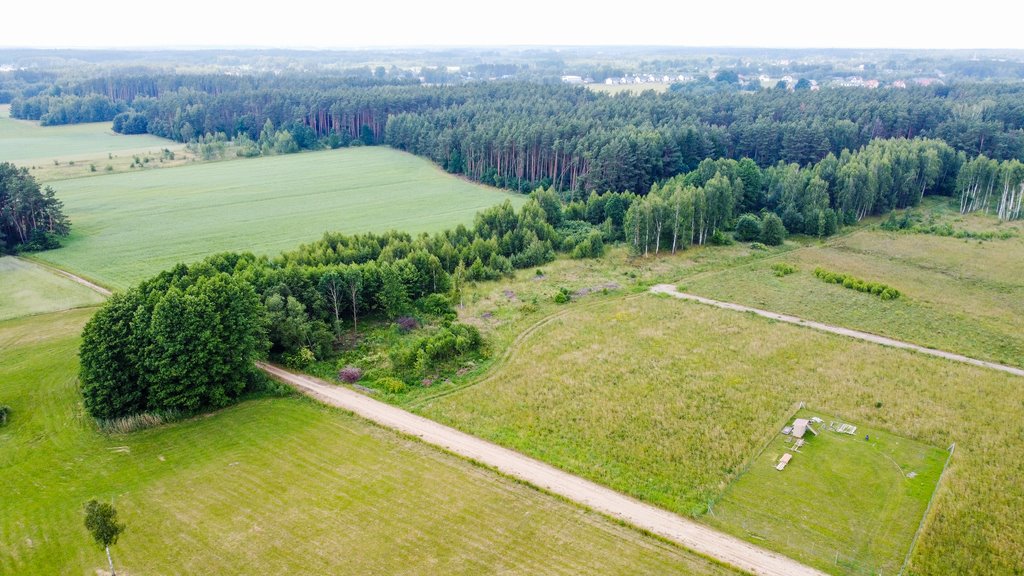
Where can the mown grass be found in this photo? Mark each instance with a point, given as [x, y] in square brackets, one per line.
[271, 486]
[668, 400]
[27, 288]
[857, 500]
[28, 144]
[963, 296]
[129, 226]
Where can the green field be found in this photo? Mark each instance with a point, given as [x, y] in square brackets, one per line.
[668, 401]
[27, 288]
[836, 489]
[27, 143]
[959, 295]
[271, 486]
[129, 226]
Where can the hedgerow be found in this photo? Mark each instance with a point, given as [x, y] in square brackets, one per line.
[883, 291]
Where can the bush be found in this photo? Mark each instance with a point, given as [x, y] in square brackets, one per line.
[391, 385]
[719, 238]
[444, 345]
[350, 374]
[758, 246]
[563, 296]
[784, 269]
[773, 233]
[748, 228]
[5, 411]
[407, 323]
[874, 288]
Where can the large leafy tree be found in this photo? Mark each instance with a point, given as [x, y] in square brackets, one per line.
[185, 340]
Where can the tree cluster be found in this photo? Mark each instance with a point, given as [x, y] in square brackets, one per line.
[30, 218]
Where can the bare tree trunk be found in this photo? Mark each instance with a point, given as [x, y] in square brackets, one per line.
[111, 561]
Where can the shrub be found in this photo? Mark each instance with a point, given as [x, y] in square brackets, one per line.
[350, 374]
[391, 385]
[5, 411]
[773, 233]
[719, 238]
[748, 228]
[444, 345]
[783, 269]
[563, 296]
[407, 323]
[438, 306]
[758, 246]
[875, 288]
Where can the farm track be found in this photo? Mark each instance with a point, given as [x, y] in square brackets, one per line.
[699, 538]
[670, 290]
[73, 277]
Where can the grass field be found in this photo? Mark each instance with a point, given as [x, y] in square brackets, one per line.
[668, 401]
[29, 144]
[271, 486]
[126, 227]
[836, 489]
[27, 288]
[959, 295]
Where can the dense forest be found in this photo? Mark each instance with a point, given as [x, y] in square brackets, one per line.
[523, 135]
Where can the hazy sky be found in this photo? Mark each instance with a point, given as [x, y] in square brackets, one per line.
[344, 24]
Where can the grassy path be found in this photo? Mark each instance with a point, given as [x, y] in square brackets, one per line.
[696, 537]
[670, 290]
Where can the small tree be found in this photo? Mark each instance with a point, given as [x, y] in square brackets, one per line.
[748, 228]
[101, 521]
[773, 233]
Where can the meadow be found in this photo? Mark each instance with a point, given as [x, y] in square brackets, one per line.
[960, 295]
[129, 226]
[273, 485]
[26, 143]
[27, 288]
[669, 400]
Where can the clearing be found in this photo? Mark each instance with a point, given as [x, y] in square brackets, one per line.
[129, 226]
[669, 400]
[26, 143]
[959, 295]
[267, 486]
[836, 489]
[27, 288]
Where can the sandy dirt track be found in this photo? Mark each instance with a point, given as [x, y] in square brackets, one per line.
[704, 540]
[866, 336]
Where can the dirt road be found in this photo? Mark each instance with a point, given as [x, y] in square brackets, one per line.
[704, 540]
[866, 336]
[78, 279]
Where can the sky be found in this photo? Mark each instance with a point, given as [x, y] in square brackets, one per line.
[398, 23]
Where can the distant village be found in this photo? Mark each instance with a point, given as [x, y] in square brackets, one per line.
[764, 80]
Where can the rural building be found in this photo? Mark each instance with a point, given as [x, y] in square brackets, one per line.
[801, 426]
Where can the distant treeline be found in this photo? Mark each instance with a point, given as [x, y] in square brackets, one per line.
[523, 135]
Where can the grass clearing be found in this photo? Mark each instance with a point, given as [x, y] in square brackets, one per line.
[129, 226]
[275, 485]
[840, 495]
[668, 401]
[26, 143]
[964, 296]
[27, 288]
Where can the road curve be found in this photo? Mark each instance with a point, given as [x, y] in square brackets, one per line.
[699, 538]
[866, 336]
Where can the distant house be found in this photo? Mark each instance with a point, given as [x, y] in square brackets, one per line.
[572, 79]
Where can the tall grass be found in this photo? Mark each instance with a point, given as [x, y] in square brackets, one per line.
[136, 422]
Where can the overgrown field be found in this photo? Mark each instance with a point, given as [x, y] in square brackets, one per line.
[27, 288]
[961, 295]
[669, 400]
[272, 486]
[126, 227]
[28, 144]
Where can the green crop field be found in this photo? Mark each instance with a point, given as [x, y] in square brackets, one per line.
[959, 295]
[836, 489]
[669, 400]
[126, 227]
[27, 143]
[27, 288]
[271, 486]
